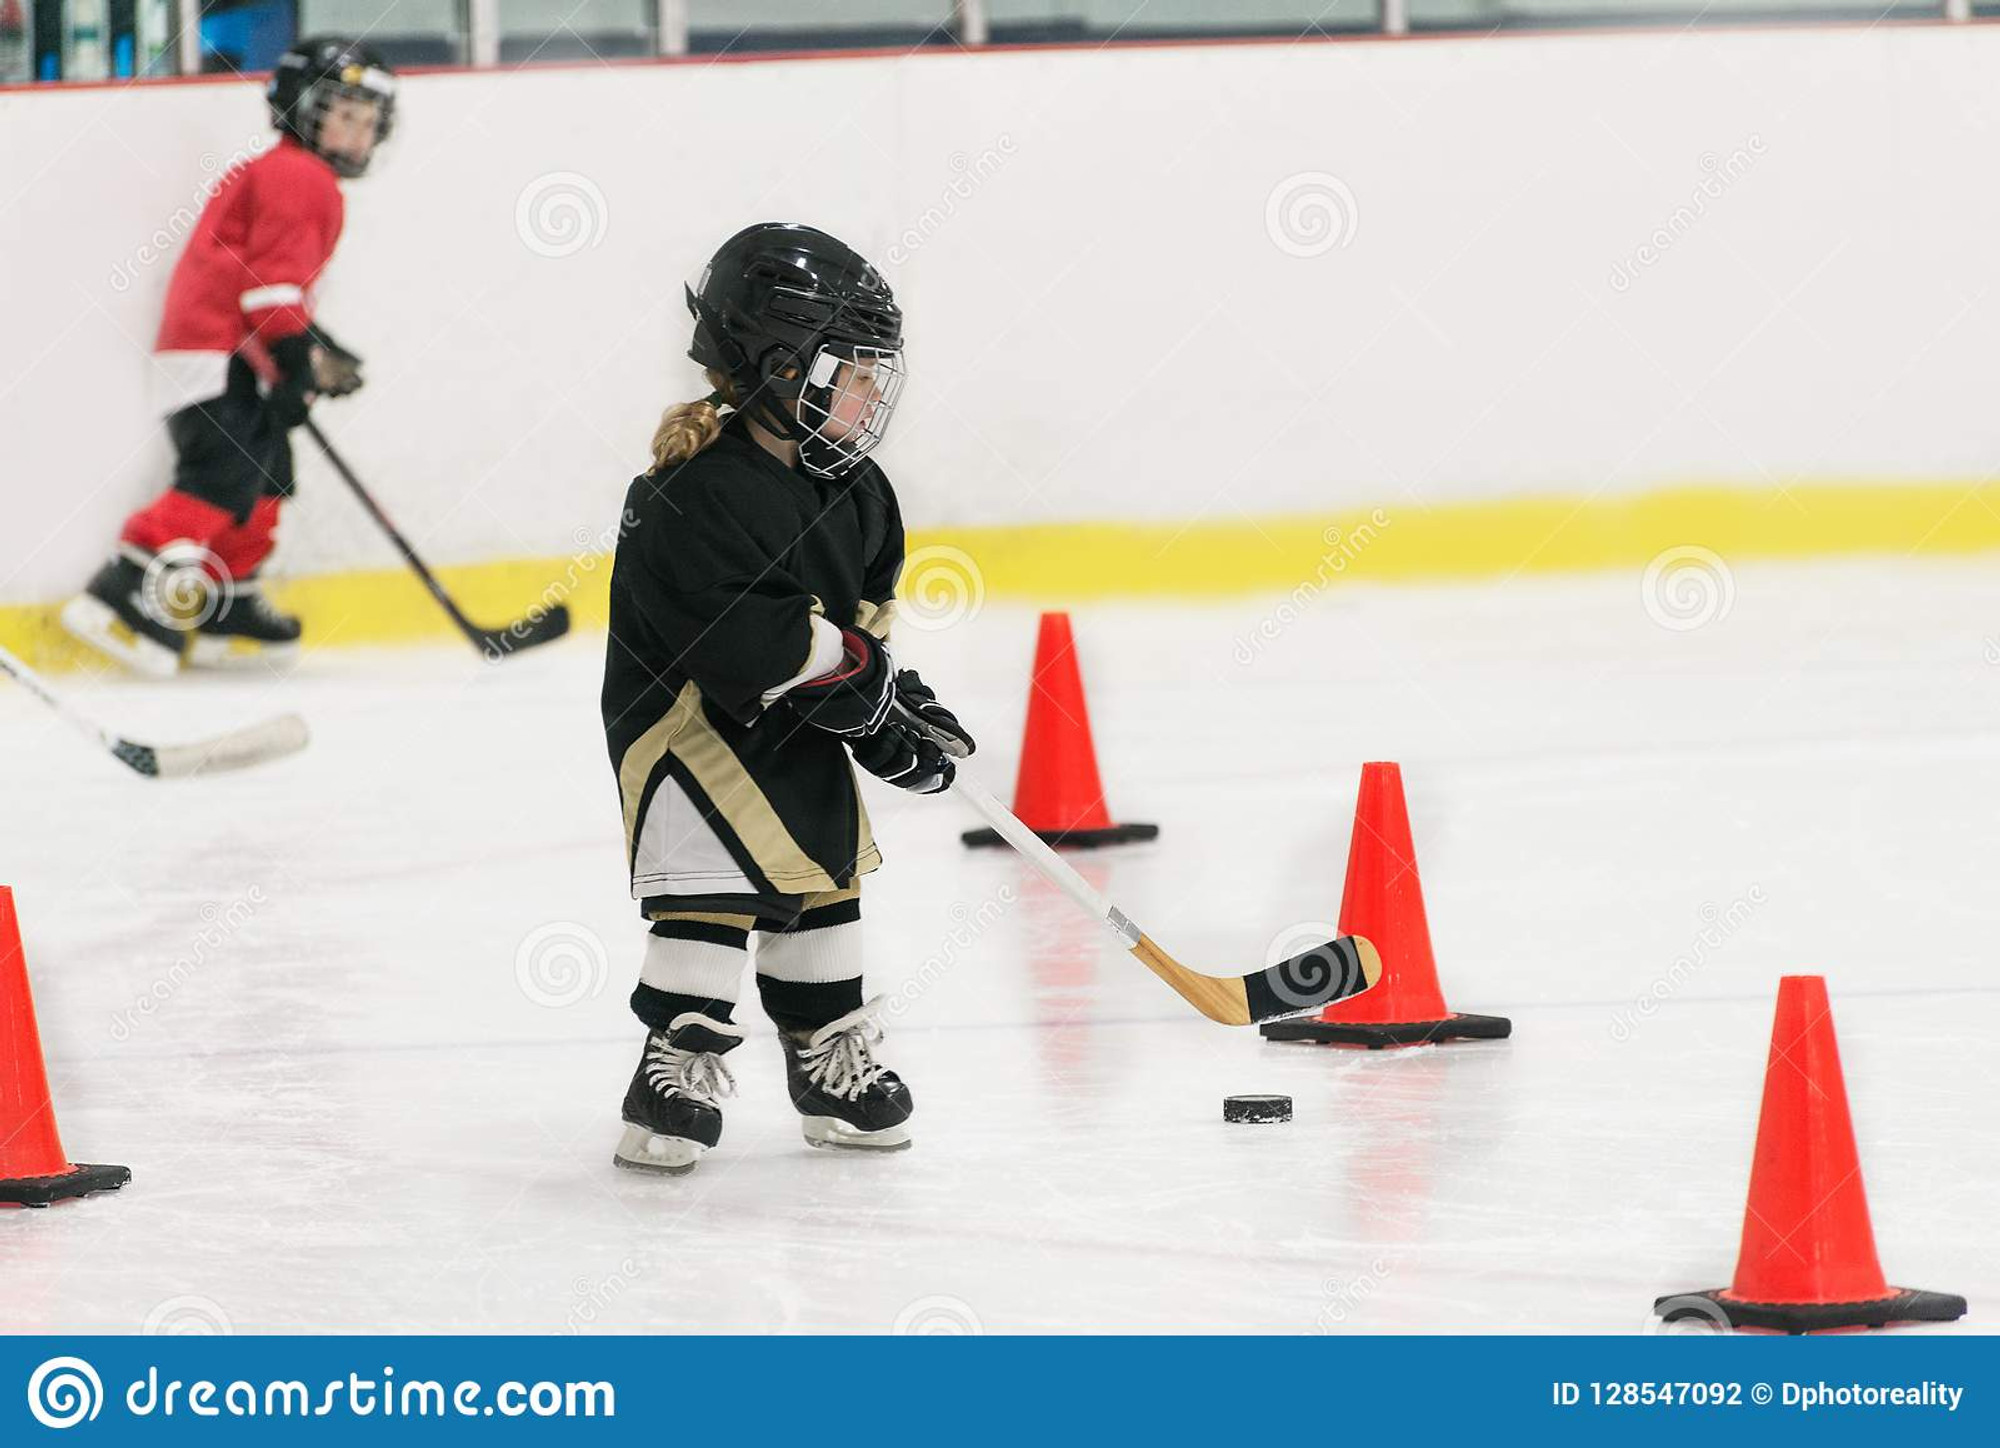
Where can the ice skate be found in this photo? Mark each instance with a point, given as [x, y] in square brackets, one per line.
[111, 616]
[846, 1098]
[671, 1109]
[246, 630]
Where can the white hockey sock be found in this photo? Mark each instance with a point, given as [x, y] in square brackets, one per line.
[693, 968]
[830, 953]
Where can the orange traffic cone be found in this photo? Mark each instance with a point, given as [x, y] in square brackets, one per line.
[33, 1169]
[1808, 1256]
[1057, 793]
[1384, 901]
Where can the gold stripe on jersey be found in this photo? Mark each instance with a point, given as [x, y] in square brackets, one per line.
[705, 917]
[684, 733]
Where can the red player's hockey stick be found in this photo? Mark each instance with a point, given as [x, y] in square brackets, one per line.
[538, 627]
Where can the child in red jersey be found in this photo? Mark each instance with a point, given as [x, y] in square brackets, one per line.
[182, 586]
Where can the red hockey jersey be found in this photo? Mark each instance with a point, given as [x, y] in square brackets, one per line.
[249, 268]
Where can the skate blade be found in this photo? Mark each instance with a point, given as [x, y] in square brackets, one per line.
[640, 1150]
[834, 1134]
[94, 622]
[206, 651]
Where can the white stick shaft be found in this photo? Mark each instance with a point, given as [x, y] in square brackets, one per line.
[28, 679]
[1051, 866]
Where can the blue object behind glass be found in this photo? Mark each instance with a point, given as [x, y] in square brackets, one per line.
[249, 37]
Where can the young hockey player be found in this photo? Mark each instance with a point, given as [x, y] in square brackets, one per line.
[750, 599]
[182, 585]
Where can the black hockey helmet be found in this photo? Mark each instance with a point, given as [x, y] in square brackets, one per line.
[312, 75]
[779, 298]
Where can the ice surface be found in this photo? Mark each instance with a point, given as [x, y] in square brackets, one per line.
[343, 1110]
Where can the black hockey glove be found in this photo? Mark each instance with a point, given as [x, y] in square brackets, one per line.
[900, 753]
[916, 697]
[336, 371]
[854, 698]
[290, 397]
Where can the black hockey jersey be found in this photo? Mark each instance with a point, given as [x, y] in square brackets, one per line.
[721, 563]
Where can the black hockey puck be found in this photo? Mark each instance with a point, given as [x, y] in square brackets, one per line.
[1256, 1108]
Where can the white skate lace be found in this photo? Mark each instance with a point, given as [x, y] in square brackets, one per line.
[840, 1058]
[699, 1075]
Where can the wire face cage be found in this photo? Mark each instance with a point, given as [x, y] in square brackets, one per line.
[845, 403]
[359, 92]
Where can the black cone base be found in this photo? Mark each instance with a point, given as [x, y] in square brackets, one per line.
[1902, 1305]
[1397, 1033]
[79, 1181]
[1075, 839]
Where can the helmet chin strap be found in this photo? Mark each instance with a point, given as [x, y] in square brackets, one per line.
[770, 412]
[841, 464]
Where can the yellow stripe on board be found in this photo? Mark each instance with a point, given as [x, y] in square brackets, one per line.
[376, 606]
[1408, 542]
[1064, 562]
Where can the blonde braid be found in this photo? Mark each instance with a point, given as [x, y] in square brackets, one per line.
[688, 427]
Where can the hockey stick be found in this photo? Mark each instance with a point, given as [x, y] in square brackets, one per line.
[1340, 968]
[257, 744]
[524, 633]
[496, 644]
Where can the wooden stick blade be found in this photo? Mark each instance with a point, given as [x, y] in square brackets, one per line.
[1221, 998]
[1330, 972]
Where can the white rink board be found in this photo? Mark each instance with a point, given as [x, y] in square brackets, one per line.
[347, 1114]
[1101, 324]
